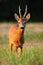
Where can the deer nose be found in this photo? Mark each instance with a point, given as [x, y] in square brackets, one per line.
[22, 25]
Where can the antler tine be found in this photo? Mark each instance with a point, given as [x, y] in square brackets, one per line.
[25, 11]
[19, 11]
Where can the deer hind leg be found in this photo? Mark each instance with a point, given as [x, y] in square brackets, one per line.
[11, 45]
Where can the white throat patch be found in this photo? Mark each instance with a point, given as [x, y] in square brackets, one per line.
[21, 25]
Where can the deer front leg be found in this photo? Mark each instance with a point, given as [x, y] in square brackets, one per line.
[19, 50]
[15, 48]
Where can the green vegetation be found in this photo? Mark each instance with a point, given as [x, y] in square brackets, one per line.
[3, 39]
[32, 56]
[34, 37]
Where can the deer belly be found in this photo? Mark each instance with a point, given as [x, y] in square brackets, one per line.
[15, 38]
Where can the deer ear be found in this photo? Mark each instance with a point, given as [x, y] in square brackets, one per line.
[16, 16]
[28, 16]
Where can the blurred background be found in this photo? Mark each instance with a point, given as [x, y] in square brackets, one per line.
[9, 7]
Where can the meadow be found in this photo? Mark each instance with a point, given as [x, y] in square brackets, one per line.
[32, 53]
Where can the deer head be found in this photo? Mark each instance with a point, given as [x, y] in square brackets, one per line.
[22, 20]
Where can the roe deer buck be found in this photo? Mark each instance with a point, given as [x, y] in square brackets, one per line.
[16, 32]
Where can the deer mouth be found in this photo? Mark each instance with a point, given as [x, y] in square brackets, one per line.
[22, 27]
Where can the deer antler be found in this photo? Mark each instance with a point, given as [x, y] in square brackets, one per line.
[19, 11]
[25, 12]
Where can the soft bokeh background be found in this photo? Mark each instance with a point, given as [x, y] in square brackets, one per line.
[9, 7]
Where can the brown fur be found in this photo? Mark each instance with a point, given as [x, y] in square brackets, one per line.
[16, 37]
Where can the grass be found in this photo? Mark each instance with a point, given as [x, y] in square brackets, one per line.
[32, 56]
[34, 37]
[3, 39]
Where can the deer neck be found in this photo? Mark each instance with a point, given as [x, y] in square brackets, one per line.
[20, 30]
